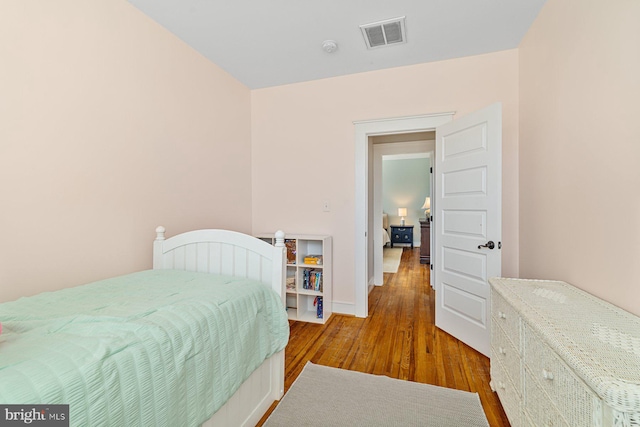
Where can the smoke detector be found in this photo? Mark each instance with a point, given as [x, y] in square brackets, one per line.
[329, 46]
[384, 33]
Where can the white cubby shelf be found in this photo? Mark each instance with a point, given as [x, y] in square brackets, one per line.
[303, 295]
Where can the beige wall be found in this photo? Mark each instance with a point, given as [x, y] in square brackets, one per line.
[109, 126]
[580, 148]
[303, 144]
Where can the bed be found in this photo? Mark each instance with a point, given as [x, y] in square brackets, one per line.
[198, 340]
[386, 238]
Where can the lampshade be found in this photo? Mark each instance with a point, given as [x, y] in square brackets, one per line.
[402, 211]
[427, 203]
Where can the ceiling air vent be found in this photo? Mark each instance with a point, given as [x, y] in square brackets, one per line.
[384, 33]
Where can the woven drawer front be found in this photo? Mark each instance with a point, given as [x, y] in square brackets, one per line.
[508, 394]
[573, 398]
[502, 350]
[507, 317]
[539, 407]
[526, 421]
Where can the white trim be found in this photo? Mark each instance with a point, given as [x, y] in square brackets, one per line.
[432, 239]
[346, 308]
[403, 156]
[363, 130]
[407, 118]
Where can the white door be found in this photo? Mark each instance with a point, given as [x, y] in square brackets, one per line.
[467, 223]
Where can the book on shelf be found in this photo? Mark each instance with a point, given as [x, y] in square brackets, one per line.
[312, 280]
[318, 303]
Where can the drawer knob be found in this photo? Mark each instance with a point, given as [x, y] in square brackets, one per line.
[547, 375]
[502, 315]
[501, 385]
[502, 350]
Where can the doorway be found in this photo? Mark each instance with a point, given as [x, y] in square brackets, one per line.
[364, 210]
[468, 174]
[412, 147]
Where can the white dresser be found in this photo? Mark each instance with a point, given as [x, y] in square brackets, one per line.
[562, 357]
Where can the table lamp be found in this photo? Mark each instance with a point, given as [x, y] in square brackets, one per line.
[402, 212]
[427, 206]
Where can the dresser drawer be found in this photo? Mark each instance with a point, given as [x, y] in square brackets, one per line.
[579, 368]
[509, 395]
[526, 421]
[546, 373]
[539, 407]
[402, 234]
[503, 351]
[504, 315]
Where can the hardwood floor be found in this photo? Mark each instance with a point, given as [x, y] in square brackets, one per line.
[398, 339]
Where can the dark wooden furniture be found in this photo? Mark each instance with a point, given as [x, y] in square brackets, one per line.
[425, 241]
[402, 234]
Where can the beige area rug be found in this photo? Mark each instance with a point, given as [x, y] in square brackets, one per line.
[391, 259]
[323, 396]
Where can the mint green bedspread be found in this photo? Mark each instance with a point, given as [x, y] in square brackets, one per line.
[154, 348]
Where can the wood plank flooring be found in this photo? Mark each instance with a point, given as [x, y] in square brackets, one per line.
[398, 339]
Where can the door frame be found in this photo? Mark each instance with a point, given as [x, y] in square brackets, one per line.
[432, 238]
[363, 191]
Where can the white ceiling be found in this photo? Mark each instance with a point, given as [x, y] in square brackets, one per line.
[265, 43]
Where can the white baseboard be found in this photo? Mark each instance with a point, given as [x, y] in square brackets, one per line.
[348, 309]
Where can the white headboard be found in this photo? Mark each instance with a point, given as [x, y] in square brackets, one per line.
[223, 252]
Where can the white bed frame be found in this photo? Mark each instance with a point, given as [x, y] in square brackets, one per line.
[236, 254]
